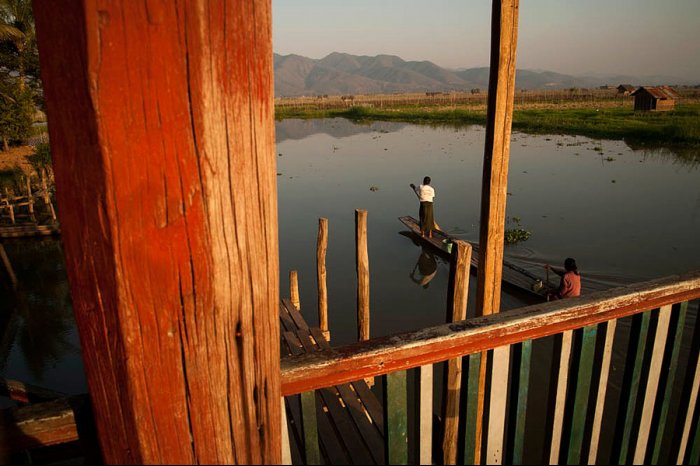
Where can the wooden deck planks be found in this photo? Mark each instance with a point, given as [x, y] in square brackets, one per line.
[350, 419]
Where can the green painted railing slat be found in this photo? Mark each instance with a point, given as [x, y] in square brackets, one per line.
[308, 413]
[637, 347]
[695, 450]
[521, 410]
[470, 415]
[675, 339]
[583, 390]
[396, 416]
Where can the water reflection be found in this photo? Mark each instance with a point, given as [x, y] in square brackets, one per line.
[425, 269]
[627, 215]
[38, 339]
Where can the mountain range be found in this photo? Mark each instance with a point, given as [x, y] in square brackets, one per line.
[342, 73]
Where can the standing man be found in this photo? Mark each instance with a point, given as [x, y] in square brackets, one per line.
[425, 194]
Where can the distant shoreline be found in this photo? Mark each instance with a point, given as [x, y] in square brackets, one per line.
[601, 116]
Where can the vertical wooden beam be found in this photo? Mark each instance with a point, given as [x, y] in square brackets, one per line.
[560, 404]
[286, 447]
[504, 38]
[522, 397]
[310, 426]
[321, 248]
[472, 408]
[497, 405]
[294, 289]
[425, 423]
[30, 199]
[47, 196]
[582, 394]
[689, 414]
[653, 378]
[602, 390]
[396, 420]
[458, 291]
[161, 121]
[675, 341]
[362, 262]
[635, 359]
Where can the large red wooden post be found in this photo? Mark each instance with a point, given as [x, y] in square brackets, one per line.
[162, 133]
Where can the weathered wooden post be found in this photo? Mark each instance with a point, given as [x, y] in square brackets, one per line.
[321, 248]
[362, 274]
[47, 196]
[161, 121]
[504, 37]
[30, 199]
[294, 289]
[458, 291]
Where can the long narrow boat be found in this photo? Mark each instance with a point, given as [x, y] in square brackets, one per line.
[512, 275]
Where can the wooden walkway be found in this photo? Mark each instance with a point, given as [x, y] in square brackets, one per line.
[350, 417]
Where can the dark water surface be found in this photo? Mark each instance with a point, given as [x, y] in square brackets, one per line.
[626, 215]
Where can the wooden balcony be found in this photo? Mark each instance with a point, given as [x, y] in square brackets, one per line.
[647, 325]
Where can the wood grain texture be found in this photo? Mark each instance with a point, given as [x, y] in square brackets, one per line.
[162, 129]
[294, 289]
[321, 248]
[499, 117]
[494, 181]
[435, 344]
[458, 291]
[40, 424]
[362, 262]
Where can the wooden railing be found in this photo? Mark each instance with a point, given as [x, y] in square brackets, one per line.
[648, 422]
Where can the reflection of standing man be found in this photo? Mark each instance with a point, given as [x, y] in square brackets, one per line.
[426, 267]
[426, 194]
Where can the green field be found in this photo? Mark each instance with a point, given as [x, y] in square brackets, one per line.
[680, 127]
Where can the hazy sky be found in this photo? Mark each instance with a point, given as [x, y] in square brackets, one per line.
[640, 37]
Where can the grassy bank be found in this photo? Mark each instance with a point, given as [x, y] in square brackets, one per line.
[680, 127]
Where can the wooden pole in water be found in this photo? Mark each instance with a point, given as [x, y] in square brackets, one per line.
[504, 35]
[362, 275]
[321, 248]
[294, 289]
[8, 266]
[458, 290]
[177, 297]
[30, 199]
[47, 196]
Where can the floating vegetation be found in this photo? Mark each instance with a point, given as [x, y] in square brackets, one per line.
[517, 234]
[374, 188]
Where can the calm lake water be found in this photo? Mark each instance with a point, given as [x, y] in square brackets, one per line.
[625, 214]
